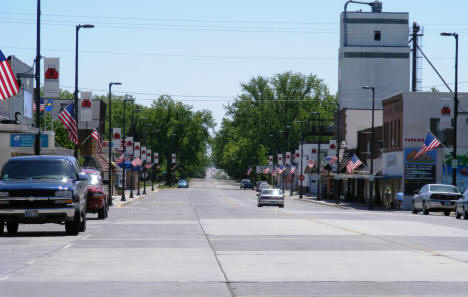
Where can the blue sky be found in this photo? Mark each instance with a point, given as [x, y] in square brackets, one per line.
[200, 51]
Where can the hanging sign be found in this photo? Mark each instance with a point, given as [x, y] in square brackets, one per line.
[116, 138]
[280, 159]
[156, 158]
[85, 107]
[173, 158]
[137, 149]
[143, 153]
[51, 77]
[288, 158]
[270, 160]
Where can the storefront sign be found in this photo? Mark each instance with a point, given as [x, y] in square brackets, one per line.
[27, 140]
[420, 171]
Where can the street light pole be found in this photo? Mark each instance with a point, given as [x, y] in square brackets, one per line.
[124, 185]
[37, 91]
[143, 169]
[455, 112]
[371, 176]
[75, 93]
[110, 140]
[338, 157]
[302, 152]
[133, 149]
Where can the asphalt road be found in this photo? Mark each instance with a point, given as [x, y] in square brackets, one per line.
[211, 240]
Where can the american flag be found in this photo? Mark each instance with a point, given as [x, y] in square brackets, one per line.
[273, 172]
[293, 169]
[120, 159]
[41, 105]
[148, 165]
[353, 164]
[266, 170]
[311, 163]
[8, 84]
[67, 117]
[331, 160]
[429, 144]
[280, 169]
[95, 135]
[136, 162]
[249, 170]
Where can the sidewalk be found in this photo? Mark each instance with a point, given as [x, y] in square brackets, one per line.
[116, 199]
[332, 203]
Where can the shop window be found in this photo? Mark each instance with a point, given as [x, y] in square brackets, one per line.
[377, 35]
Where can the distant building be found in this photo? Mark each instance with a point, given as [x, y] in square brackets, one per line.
[374, 51]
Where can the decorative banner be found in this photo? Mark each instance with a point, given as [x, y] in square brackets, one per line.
[156, 158]
[280, 159]
[116, 137]
[148, 156]
[85, 106]
[445, 113]
[173, 158]
[143, 153]
[270, 160]
[288, 158]
[331, 148]
[51, 77]
[129, 145]
[297, 156]
[137, 150]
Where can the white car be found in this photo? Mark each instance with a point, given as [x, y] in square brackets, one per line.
[271, 197]
[461, 207]
[435, 197]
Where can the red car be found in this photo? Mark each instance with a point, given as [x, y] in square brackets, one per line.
[97, 200]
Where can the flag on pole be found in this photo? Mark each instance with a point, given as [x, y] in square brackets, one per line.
[293, 169]
[8, 84]
[67, 117]
[249, 170]
[331, 160]
[95, 135]
[280, 169]
[41, 105]
[136, 162]
[429, 144]
[120, 159]
[48, 106]
[353, 164]
[273, 172]
[311, 163]
[266, 170]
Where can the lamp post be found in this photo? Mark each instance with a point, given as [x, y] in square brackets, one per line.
[110, 139]
[371, 176]
[287, 142]
[141, 145]
[37, 90]
[318, 154]
[152, 182]
[75, 94]
[133, 148]
[455, 112]
[143, 169]
[124, 147]
[272, 151]
[169, 160]
[338, 157]
[302, 151]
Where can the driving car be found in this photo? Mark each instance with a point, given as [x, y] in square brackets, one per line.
[97, 198]
[263, 185]
[182, 183]
[435, 197]
[43, 189]
[246, 184]
[270, 197]
[461, 207]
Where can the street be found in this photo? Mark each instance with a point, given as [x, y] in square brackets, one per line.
[212, 240]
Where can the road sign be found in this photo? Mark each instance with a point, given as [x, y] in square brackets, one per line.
[301, 177]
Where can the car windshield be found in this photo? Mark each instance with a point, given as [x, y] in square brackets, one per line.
[272, 192]
[182, 181]
[37, 169]
[93, 180]
[443, 188]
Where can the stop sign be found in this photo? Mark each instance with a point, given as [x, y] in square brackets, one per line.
[301, 177]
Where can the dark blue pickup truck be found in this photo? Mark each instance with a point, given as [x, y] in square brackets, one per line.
[42, 189]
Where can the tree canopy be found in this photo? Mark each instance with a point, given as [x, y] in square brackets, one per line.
[268, 117]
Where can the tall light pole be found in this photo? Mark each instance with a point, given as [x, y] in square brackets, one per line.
[110, 140]
[124, 185]
[338, 156]
[287, 142]
[302, 152]
[133, 149]
[75, 94]
[455, 112]
[169, 159]
[144, 169]
[371, 176]
[318, 153]
[141, 145]
[37, 90]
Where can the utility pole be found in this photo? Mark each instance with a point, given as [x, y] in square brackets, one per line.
[414, 50]
[37, 91]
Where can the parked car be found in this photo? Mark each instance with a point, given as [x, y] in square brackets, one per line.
[43, 189]
[246, 184]
[271, 197]
[97, 198]
[182, 183]
[461, 207]
[435, 197]
[263, 185]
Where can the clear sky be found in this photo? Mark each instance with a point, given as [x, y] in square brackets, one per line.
[200, 51]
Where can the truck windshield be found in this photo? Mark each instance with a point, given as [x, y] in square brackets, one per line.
[37, 169]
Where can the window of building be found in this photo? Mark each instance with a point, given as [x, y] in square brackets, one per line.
[377, 35]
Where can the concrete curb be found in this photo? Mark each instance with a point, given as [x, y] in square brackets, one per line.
[323, 203]
[116, 198]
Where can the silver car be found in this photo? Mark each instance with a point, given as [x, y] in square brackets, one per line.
[461, 207]
[271, 197]
[435, 197]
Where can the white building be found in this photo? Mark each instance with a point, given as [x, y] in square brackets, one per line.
[374, 52]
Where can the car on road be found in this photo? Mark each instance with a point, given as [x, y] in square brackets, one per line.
[97, 198]
[182, 183]
[263, 185]
[461, 207]
[270, 197]
[246, 184]
[435, 197]
[43, 189]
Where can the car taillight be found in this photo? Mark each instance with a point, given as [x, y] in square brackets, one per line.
[95, 195]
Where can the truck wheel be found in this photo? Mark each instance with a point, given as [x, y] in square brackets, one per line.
[73, 227]
[413, 209]
[83, 222]
[12, 227]
[446, 213]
